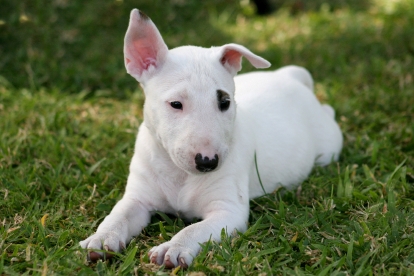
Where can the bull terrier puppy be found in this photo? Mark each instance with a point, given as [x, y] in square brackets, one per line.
[195, 151]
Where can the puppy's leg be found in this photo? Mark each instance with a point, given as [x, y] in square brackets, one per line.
[126, 220]
[185, 245]
[329, 109]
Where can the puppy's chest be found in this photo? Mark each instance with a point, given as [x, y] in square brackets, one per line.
[184, 199]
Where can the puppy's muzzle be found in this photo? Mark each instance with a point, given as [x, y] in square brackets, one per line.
[206, 164]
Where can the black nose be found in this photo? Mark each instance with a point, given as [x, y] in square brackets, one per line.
[206, 165]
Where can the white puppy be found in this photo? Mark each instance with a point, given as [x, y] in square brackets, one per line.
[195, 151]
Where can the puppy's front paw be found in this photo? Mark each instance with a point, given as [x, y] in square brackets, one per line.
[109, 241]
[171, 255]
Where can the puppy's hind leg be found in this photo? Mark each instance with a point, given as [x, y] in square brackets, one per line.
[329, 109]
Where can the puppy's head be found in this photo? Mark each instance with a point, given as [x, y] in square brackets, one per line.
[189, 107]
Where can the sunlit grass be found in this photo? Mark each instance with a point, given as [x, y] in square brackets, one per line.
[69, 116]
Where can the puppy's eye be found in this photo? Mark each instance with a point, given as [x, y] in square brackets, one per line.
[224, 104]
[223, 100]
[176, 105]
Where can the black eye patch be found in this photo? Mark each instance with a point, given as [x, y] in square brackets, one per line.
[223, 100]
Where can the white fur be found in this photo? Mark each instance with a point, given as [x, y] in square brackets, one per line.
[273, 115]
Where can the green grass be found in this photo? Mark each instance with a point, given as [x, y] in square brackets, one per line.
[69, 115]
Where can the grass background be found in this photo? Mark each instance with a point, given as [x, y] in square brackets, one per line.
[69, 115]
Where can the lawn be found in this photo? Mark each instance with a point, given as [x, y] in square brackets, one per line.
[69, 114]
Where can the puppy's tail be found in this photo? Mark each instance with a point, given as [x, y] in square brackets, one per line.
[301, 74]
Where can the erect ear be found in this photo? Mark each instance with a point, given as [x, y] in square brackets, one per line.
[144, 48]
[231, 57]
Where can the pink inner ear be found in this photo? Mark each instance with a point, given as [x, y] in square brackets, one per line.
[141, 55]
[144, 46]
[233, 58]
[232, 55]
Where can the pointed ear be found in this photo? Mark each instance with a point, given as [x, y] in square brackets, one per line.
[231, 57]
[144, 48]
